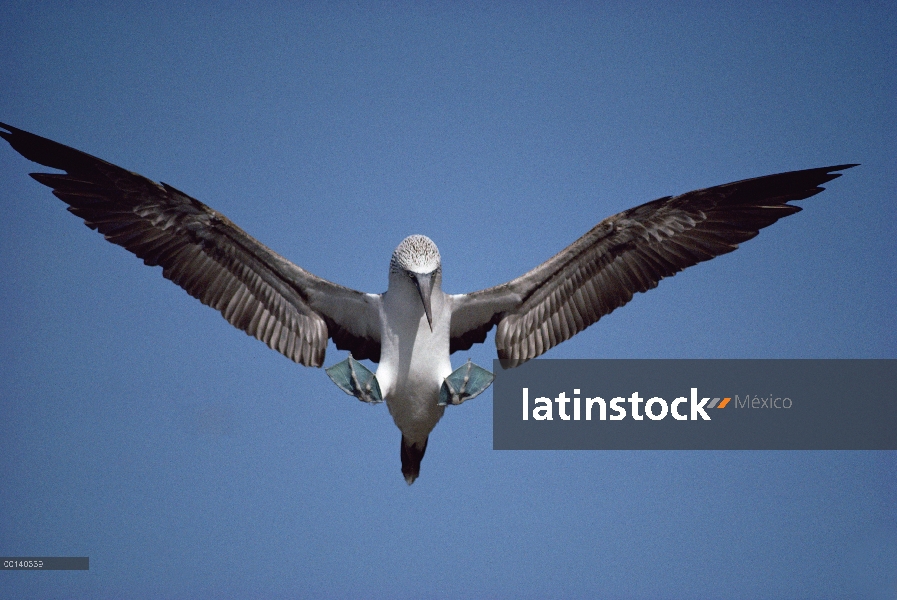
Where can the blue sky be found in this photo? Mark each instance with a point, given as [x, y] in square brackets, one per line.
[184, 458]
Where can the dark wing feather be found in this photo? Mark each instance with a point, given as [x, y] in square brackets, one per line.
[627, 253]
[202, 251]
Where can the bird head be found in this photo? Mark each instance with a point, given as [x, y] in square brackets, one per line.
[417, 258]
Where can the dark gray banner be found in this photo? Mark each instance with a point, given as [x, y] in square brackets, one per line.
[45, 563]
[696, 405]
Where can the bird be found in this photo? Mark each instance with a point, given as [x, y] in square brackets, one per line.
[414, 327]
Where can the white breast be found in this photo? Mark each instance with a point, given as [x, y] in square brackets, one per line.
[414, 361]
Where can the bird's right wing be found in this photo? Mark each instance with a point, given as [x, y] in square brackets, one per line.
[201, 250]
[627, 253]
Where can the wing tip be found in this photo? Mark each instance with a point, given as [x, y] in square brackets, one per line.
[8, 135]
[824, 175]
[50, 153]
[14, 132]
[831, 171]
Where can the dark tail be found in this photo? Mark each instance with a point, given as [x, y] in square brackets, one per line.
[412, 454]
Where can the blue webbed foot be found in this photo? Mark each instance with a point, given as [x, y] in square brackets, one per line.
[466, 382]
[356, 380]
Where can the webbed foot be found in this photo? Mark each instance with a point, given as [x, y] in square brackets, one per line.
[356, 380]
[466, 382]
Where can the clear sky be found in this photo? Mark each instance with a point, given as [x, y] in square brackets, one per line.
[184, 458]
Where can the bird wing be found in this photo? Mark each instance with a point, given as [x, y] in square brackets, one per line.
[201, 250]
[627, 253]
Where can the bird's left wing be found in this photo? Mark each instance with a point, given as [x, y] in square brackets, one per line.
[627, 253]
[201, 250]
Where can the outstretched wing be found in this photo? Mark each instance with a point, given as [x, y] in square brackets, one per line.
[627, 253]
[254, 288]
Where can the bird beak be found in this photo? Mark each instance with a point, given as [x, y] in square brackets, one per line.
[424, 283]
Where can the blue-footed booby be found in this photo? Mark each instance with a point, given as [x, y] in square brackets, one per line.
[412, 329]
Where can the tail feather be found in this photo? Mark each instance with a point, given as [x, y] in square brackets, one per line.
[412, 454]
